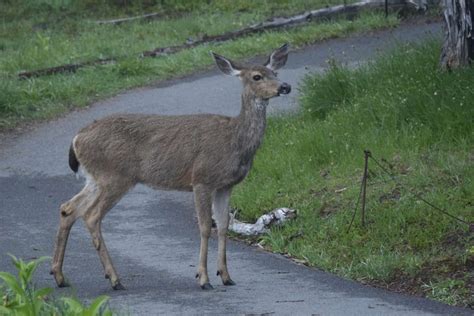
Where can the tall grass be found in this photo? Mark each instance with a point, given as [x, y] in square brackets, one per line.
[403, 92]
[114, 8]
[414, 118]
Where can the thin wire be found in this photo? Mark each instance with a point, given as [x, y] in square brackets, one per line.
[418, 195]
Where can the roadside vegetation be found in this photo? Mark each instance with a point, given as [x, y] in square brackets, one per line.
[418, 122]
[20, 296]
[47, 33]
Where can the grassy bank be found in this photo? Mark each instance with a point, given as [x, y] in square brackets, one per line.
[38, 34]
[418, 122]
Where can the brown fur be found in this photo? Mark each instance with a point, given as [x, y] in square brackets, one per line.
[207, 154]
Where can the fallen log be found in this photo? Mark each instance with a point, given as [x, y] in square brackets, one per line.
[274, 23]
[63, 68]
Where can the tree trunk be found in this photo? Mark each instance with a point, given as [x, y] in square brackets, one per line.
[458, 47]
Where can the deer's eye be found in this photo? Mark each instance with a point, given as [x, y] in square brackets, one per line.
[257, 77]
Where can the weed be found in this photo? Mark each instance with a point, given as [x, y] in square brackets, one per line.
[20, 296]
[447, 291]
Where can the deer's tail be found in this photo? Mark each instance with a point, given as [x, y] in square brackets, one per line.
[73, 162]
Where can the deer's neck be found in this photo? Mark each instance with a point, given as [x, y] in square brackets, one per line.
[251, 124]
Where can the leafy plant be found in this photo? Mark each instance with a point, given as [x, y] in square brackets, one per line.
[97, 307]
[20, 297]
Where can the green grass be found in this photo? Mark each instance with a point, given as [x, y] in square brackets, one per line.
[49, 33]
[416, 120]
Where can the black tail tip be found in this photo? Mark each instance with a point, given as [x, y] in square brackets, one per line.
[73, 162]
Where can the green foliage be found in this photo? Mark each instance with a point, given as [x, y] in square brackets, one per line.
[418, 122]
[97, 307]
[20, 297]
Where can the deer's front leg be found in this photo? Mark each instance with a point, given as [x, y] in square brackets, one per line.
[203, 204]
[220, 207]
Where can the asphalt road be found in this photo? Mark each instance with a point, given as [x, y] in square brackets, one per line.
[153, 236]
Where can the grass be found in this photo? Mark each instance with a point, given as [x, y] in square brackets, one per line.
[38, 34]
[419, 123]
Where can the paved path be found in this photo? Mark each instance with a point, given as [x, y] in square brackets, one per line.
[153, 236]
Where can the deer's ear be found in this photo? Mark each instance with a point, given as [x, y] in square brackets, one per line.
[278, 58]
[226, 65]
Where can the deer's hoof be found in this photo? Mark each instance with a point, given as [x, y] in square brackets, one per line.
[63, 283]
[60, 280]
[228, 282]
[207, 286]
[118, 286]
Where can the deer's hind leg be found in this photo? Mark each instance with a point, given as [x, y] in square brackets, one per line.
[110, 191]
[69, 212]
[91, 204]
[220, 207]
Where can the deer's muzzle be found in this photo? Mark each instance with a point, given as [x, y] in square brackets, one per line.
[284, 88]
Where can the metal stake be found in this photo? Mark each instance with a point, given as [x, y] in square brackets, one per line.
[364, 185]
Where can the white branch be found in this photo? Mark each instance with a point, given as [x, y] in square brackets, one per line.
[264, 222]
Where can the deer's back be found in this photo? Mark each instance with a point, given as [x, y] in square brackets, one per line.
[167, 152]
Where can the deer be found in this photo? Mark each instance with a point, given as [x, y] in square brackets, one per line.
[206, 154]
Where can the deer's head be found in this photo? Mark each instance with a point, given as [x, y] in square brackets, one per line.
[260, 80]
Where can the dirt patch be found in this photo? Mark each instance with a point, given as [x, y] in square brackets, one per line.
[457, 264]
[394, 195]
[433, 273]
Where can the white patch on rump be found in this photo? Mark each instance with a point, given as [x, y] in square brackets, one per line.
[90, 188]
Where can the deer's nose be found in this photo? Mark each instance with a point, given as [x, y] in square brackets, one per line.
[284, 88]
